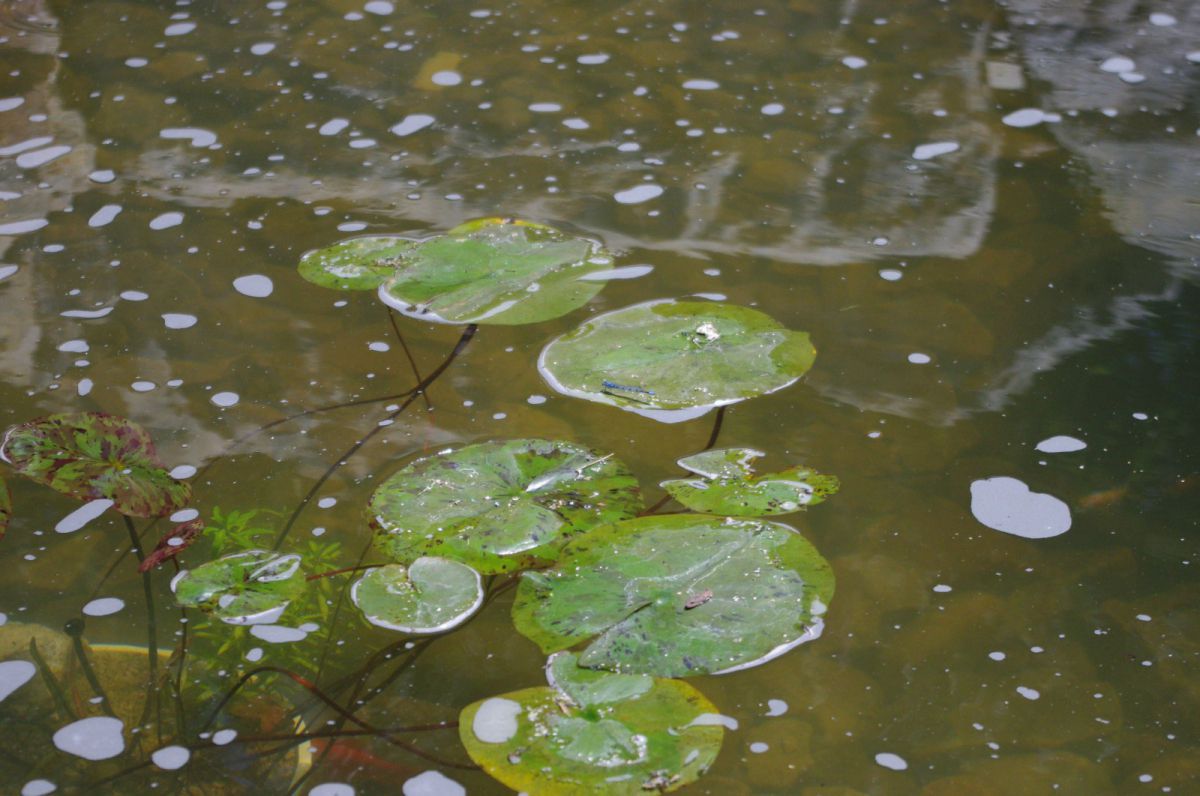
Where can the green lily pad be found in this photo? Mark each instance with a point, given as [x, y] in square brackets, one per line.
[248, 588]
[728, 485]
[594, 733]
[676, 360]
[432, 595]
[92, 456]
[355, 264]
[500, 506]
[678, 595]
[5, 507]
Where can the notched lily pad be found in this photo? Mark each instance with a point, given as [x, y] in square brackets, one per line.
[248, 588]
[432, 595]
[93, 456]
[728, 485]
[676, 360]
[487, 271]
[593, 732]
[355, 264]
[5, 507]
[678, 595]
[500, 506]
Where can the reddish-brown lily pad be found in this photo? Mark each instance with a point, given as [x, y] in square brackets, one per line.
[93, 456]
[173, 543]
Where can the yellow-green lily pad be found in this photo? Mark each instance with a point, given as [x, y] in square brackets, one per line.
[247, 588]
[431, 595]
[594, 733]
[357, 263]
[500, 506]
[95, 456]
[676, 360]
[678, 595]
[727, 485]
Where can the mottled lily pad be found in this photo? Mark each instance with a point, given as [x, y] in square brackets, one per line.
[355, 264]
[5, 507]
[248, 588]
[432, 595]
[675, 360]
[93, 456]
[487, 271]
[500, 506]
[678, 595]
[728, 485]
[593, 732]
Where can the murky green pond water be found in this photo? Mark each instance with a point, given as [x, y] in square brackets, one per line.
[987, 216]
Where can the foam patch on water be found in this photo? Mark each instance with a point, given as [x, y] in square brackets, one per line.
[1061, 444]
[93, 738]
[13, 675]
[82, 516]
[1007, 504]
[432, 783]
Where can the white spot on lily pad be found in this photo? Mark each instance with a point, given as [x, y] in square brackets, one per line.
[714, 720]
[1007, 504]
[93, 738]
[496, 720]
[104, 606]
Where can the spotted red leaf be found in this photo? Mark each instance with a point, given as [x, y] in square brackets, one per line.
[172, 544]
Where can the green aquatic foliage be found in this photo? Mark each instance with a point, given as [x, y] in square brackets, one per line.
[727, 485]
[247, 588]
[593, 732]
[431, 595]
[678, 595]
[500, 506]
[674, 360]
[94, 456]
[5, 507]
[487, 271]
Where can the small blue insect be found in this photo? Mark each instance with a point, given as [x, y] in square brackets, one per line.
[610, 385]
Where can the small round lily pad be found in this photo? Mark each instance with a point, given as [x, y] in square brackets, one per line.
[500, 506]
[94, 456]
[678, 595]
[432, 595]
[593, 732]
[676, 360]
[247, 588]
[355, 264]
[728, 485]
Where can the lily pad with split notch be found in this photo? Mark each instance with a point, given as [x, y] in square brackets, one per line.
[593, 732]
[95, 456]
[678, 595]
[727, 485]
[247, 588]
[500, 506]
[432, 595]
[676, 360]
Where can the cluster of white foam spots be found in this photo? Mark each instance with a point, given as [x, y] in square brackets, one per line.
[432, 783]
[82, 516]
[104, 606]
[1123, 68]
[93, 738]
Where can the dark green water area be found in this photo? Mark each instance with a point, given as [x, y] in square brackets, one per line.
[770, 397]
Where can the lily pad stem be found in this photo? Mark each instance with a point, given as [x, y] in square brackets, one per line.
[151, 627]
[74, 629]
[52, 685]
[712, 441]
[467, 334]
[404, 345]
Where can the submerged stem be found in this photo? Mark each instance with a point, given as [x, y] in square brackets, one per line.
[60, 699]
[404, 345]
[712, 441]
[151, 631]
[467, 334]
[74, 629]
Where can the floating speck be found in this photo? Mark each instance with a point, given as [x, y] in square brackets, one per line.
[178, 320]
[327, 502]
[758, 747]
[576, 123]
[772, 109]
[1142, 617]
[593, 59]
[889, 760]
[545, 107]
[102, 176]
[1162, 20]
[942, 588]
[854, 62]
[997, 656]
[179, 29]
[891, 274]
[1132, 77]
[1140, 416]
[262, 48]
[917, 358]
[103, 606]
[225, 399]
[499, 416]
[74, 347]
[142, 386]
[379, 7]
[701, 84]
[134, 295]
[166, 221]
[378, 345]
[638, 194]
[254, 285]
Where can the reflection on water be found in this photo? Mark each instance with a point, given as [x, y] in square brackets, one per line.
[985, 216]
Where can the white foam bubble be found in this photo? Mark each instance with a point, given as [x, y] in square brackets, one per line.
[928, 151]
[1007, 504]
[412, 123]
[701, 84]
[254, 285]
[197, 135]
[446, 77]
[40, 157]
[170, 758]
[432, 783]
[225, 399]
[166, 220]
[638, 194]
[1061, 444]
[262, 48]
[854, 62]
[104, 216]
[13, 675]
[93, 738]
[82, 516]
[179, 320]
[892, 761]
[104, 606]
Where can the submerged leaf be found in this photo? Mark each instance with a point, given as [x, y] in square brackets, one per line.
[593, 732]
[487, 271]
[247, 588]
[676, 360]
[172, 544]
[355, 264]
[94, 456]
[432, 595]
[678, 595]
[500, 506]
[5, 507]
[728, 485]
